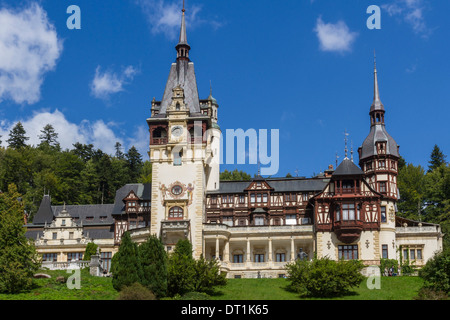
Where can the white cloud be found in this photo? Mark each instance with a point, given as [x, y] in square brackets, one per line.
[334, 37]
[29, 48]
[98, 133]
[165, 17]
[106, 83]
[411, 11]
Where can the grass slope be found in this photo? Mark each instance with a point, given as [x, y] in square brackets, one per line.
[95, 288]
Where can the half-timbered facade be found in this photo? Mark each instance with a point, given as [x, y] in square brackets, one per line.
[252, 227]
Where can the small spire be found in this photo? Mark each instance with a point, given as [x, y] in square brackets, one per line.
[351, 150]
[183, 47]
[377, 104]
[337, 159]
[346, 139]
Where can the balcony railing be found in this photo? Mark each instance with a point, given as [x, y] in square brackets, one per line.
[158, 141]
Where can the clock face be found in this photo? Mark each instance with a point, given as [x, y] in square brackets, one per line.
[177, 190]
[177, 131]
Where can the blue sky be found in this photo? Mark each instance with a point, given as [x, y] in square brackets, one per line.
[304, 67]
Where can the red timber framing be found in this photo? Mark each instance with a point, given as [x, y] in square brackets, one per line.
[258, 204]
[347, 206]
[136, 215]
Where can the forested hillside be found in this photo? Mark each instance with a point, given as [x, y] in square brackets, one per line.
[81, 175]
[85, 175]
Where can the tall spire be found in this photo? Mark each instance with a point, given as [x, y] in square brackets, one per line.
[377, 104]
[182, 46]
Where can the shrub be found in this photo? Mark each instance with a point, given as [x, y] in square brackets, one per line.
[429, 294]
[125, 265]
[136, 292]
[324, 277]
[91, 250]
[153, 260]
[436, 273]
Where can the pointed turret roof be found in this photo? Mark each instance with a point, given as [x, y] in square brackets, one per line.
[376, 104]
[346, 168]
[183, 37]
[45, 212]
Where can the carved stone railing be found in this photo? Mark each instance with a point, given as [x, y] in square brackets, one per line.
[69, 265]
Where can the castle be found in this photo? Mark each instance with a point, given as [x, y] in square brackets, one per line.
[252, 227]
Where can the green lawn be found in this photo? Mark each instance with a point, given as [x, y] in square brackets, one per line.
[391, 288]
[94, 288]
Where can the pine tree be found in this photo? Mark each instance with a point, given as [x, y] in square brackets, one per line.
[437, 158]
[125, 265]
[18, 257]
[49, 136]
[153, 260]
[17, 138]
[119, 154]
[134, 163]
[181, 269]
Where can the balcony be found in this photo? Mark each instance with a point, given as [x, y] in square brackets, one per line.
[222, 228]
[175, 226]
[158, 141]
[348, 230]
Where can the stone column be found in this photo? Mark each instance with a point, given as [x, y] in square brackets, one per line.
[292, 249]
[270, 251]
[226, 251]
[95, 266]
[217, 248]
[248, 260]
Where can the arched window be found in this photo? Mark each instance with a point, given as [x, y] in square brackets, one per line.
[175, 213]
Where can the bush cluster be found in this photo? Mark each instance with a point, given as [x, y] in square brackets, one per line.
[324, 277]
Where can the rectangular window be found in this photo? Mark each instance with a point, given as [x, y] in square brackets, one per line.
[265, 197]
[238, 258]
[348, 211]
[281, 257]
[63, 222]
[52, 257]
[106, 260]
[348, 252]
[382, 187]
[259, 258]
[258, 198]
[177, 158]
[384, 249]
[241, 198]
[291, 219]
[383, 214]
[252, 198]
[213, 200]
[70, 235]
[419, 254]
[75, 256]
[412, 254]
[259, 221]
[54, 235]
[381, 164]
[227, 221]
[305, 197]
[405, 254]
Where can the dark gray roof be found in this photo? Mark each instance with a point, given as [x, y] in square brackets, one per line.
[182, 73]
[378, 133]
[347, 167]
[88, 214]
[278, 184]
[142, 190]
[45, 212]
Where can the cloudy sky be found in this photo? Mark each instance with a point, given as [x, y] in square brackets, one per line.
[304, 67]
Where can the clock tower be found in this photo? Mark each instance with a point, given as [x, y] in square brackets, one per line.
[185, 153]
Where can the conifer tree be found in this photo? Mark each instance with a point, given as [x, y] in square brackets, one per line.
[125, 265]
[18, 257]
[49, 136]
[181, 269]
[17, 138]
[153, 260]
[437, 158]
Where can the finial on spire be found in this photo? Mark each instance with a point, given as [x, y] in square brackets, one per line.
[351, 150]
[182, 47]
[183, 10]
[346, 134]
[337, 159]
[377, 104]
